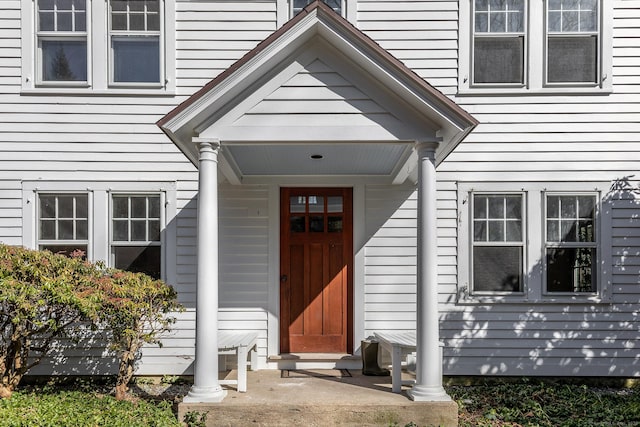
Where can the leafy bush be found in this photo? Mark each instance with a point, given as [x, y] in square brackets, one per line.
[41, 296]
[135, 311]
[44, 297]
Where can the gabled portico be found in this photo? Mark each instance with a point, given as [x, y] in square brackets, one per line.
[317, 87]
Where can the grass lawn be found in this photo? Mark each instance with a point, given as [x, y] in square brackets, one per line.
[492, 403]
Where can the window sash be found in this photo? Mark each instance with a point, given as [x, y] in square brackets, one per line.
[566, 253]
[67, 229]
[505, 254]
[297, 5]
[580, 37]
[502, 39]
[128, 68]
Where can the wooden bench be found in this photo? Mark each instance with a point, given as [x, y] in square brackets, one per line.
[399, 345]
[242, 344]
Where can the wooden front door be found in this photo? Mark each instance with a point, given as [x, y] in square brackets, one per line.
[316, 263]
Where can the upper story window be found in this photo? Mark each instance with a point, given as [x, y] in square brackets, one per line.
[62, 40]
[89, 46]
[298, 5]
[572, 41]
[499, 41]
[135, 41]
[546, 46]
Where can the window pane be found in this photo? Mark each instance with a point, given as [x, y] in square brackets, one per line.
[480, 231]
[514, 207]
[46, 21]
[586, 231]
[497, 269]
[65, 206]
[153, 5]
[136, 5]
[514, 231]
[316, 224]
[572, 59]
[80, 4]
[45, 4]
[82, 210]
[139, 231]
[64, 4]
[64, 22]
[335, 224]
[121, 231]
[316, 203]
[497, 22]
[568, 207]
[553, 232]
[138, 207]
[82, 230]
[119, 5]
[479, 207]
[154, 231]
[296, 224]
[139, 259]
[498, 60]
[64, 60]
[334, 204]
[153, 22]
[589, 20]
[482, 22]
[47, 230]
[47, 206]
[553, 207]
[120, 207]
[297, 203]
[136, 59]
[570, 21]
[154, 206]
[118, 21]
[81, 22]
[571, 270]
[65, 249]
[496, 207]
[496, 231]
[482, 4]
[568, 231]
[136, 22]
[65, 229]
[586, 206]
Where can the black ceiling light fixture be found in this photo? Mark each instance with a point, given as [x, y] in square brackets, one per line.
[316, 157]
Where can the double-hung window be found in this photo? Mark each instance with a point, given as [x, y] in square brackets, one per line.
[499, 42]
[62, 41]
[134, 37]
[538, 46]
[135, 233]
[63, 223]
[498, 243]
[541, 242]
[571, 243]
[572, 41]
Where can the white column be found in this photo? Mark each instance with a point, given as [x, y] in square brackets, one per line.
[428, 385]
[206, 387]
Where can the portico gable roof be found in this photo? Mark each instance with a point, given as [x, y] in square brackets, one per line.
[318, 85]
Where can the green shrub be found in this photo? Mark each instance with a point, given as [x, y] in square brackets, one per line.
[135, 310]
[41, 296]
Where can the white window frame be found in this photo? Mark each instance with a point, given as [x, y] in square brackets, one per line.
[536, 53]
[550, 245]
[132, 243]
[98, 52]
[99, 215]
[534, 227]
[62, 36]
[548, 34]
[124, 34]
[64, 242]
[285, 11]
[506, 243]
[523, 34]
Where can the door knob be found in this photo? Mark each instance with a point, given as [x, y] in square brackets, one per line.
[283, 278]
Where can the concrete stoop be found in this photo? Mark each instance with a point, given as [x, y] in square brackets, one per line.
[420, 413]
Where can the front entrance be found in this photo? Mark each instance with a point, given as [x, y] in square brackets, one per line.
[316, 270]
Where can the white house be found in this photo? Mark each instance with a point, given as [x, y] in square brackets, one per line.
[318, 173]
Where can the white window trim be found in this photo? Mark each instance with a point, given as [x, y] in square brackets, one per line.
[536, 51]
[99, 215]
[98, 51]
[285, 11]
[534, 217]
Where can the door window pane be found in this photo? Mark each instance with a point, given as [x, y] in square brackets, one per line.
[296, 224]
[334, 204]
[297, 204]
[316, 204]
[316, 224]
[334, 224]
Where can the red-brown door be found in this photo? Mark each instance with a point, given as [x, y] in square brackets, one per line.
[316, 259]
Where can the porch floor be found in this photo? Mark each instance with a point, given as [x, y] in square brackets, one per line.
[320, 398]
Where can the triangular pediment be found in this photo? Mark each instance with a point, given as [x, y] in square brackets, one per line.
[318, 80]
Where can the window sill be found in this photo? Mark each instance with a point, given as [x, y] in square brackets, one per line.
[547, 91]
[502, 299]
[74, 91]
